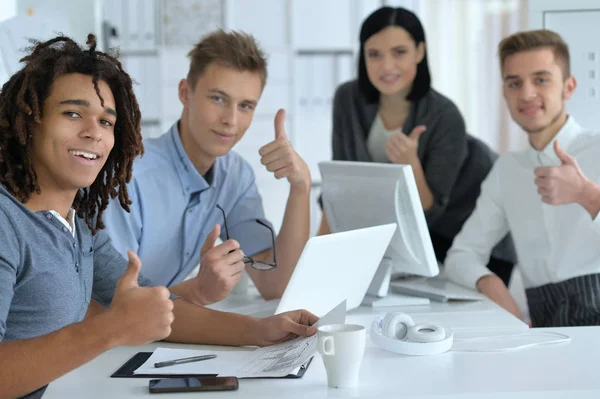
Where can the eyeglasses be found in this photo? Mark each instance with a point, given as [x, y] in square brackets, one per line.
[255, 264]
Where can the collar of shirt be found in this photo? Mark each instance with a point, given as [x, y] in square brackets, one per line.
[191, 180]
[69, 222]
[566, 137]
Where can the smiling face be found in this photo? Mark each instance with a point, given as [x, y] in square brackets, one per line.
[391, 58]
[76, 134]
[218, 110]
[536, 90]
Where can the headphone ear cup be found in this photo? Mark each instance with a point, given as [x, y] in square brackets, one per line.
[396, 325]
[426, 333]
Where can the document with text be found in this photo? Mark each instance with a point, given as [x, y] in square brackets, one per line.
[271, 361]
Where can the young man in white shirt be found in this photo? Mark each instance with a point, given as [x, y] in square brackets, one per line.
[547, 195]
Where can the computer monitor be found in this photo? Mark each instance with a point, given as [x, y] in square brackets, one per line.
[364, 194]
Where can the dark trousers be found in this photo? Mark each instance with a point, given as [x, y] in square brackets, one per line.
[573, 302]
[501, 268]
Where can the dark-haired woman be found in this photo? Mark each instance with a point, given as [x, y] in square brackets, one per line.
[391, 114]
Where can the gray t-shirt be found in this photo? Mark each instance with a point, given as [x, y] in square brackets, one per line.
[47, 276]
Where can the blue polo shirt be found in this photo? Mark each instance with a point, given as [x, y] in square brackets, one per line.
[47, 275]
[174, 209]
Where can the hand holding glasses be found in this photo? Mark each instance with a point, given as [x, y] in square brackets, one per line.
[254, 263]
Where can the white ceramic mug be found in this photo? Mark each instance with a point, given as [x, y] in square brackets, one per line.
[342, 347]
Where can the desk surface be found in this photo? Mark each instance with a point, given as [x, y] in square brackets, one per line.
[552, 371]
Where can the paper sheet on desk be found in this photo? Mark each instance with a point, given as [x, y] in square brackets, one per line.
[272, 361]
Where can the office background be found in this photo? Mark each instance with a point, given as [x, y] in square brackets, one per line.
[312, 47]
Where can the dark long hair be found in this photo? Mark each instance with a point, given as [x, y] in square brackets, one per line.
[21, 104]
[376, 22]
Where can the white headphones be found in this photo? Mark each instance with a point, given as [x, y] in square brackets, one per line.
[398, 333]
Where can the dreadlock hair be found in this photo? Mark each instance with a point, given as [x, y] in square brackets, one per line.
[21, 104]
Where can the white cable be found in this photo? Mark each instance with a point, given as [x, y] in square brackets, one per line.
[543, 333]
[563, 338]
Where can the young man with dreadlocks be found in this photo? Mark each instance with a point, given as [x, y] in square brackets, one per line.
[69, 131]
[189, 183]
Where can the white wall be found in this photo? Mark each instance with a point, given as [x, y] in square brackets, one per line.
[8, 9]
[462, 37]
[41, 20]
[82, 17]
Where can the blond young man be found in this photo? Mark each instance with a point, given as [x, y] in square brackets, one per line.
[189, 184]
[546, 195]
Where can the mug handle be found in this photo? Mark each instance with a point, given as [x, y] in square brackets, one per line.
[324, 350]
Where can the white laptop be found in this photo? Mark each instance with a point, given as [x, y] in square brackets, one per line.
[332, 268]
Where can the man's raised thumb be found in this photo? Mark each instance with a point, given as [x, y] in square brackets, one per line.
[280, 125]
[211, 239]
[562, 154]
[130, 277]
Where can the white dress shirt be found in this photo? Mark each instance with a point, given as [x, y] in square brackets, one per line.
[553, 242]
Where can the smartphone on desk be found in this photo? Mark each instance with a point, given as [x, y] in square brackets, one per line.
[193, 384]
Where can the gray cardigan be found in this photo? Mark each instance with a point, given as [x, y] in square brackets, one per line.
[454, 162]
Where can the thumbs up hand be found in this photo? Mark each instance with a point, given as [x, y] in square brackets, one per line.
[280, 157]
[140, 314]
[565, 159]
[221, 268]
[129, 279]
[563, 184]
[280, 125]
[402, 149]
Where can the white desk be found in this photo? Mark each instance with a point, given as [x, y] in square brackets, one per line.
[555, 371]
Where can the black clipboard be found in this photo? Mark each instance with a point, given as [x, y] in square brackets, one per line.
[127, 369]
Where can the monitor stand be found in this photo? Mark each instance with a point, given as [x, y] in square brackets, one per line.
[378, 294]
[380, 284]
[393, 299]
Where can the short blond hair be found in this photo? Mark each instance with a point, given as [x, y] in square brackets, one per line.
[234, 49]
[536, 39]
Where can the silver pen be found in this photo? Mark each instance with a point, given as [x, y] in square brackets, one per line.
[184, 360]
